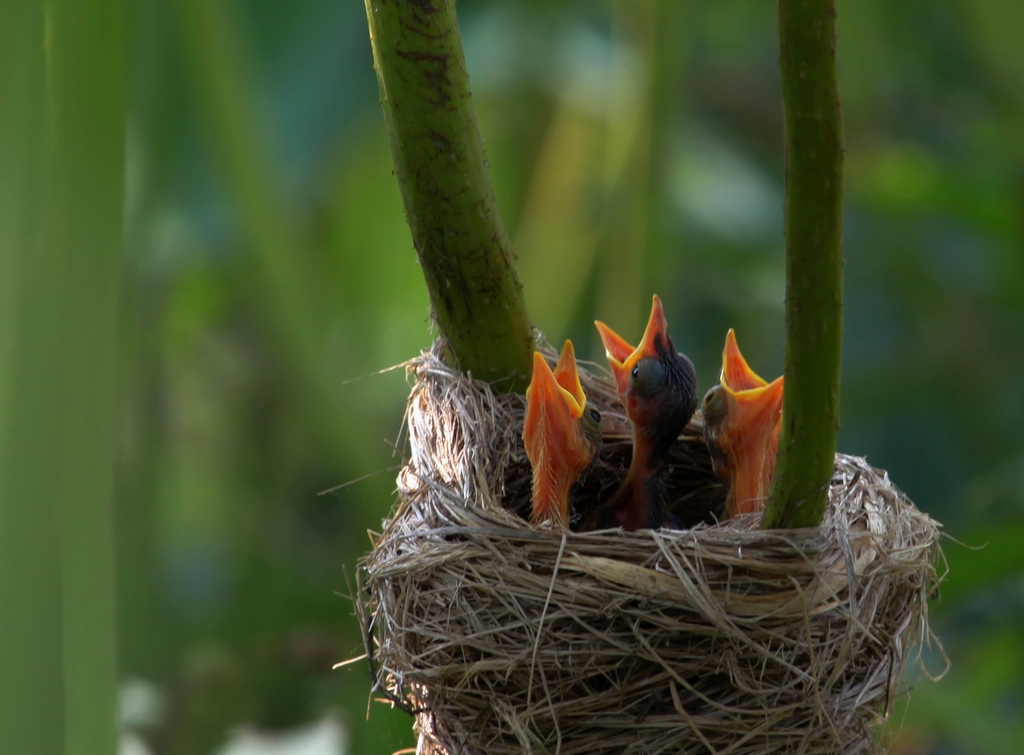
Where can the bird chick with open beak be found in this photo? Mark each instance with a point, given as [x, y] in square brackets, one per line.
[658, 387]
[742, 418]
[562, 435]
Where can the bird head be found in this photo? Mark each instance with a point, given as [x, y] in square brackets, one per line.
[561, 433]
[656, 384]
[742, 418]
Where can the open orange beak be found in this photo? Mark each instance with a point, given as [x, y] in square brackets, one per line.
[750, 437]
[617, 349]
[550, 408]
[622, 356]
[746, 430]
[568, 378]
[744, 387]
[553, 436]
[736, 373]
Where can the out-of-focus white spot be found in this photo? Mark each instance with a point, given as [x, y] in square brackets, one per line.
[141, 704]
[132, 744]
[324, 737]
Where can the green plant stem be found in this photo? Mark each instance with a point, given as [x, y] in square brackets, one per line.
[475, 294]
[814, 283]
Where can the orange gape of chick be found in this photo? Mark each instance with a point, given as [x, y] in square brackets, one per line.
[742, 417]
[561, 434]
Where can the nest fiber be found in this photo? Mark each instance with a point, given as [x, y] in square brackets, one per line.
[502, 637]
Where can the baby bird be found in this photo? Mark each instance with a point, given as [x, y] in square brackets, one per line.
[658, 387]
[742, 417]
[561, 433]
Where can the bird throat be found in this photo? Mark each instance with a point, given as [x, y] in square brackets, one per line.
[631, 506]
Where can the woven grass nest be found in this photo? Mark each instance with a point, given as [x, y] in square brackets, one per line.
[502, 637]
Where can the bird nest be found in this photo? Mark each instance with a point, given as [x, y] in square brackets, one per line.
[502, 637]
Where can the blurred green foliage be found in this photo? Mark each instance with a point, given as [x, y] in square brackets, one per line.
[62, 126]
[635, 148]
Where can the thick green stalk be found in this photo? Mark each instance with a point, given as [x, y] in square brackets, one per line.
[467, 261]
[814, 278]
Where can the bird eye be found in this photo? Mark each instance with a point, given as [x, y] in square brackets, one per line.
[713, 406]
[595, 415]
[648, 376]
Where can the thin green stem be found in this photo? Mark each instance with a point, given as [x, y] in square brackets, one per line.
[814, 283]
[475, 294]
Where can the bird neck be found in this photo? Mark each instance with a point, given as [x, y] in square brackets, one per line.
[748, 492]
[629, 509]
[550, 497]
[638, 502]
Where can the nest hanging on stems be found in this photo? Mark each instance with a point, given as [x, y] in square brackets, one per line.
[506, 638]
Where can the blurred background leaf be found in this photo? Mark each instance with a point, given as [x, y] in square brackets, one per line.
[269, 276]
[62, 152]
